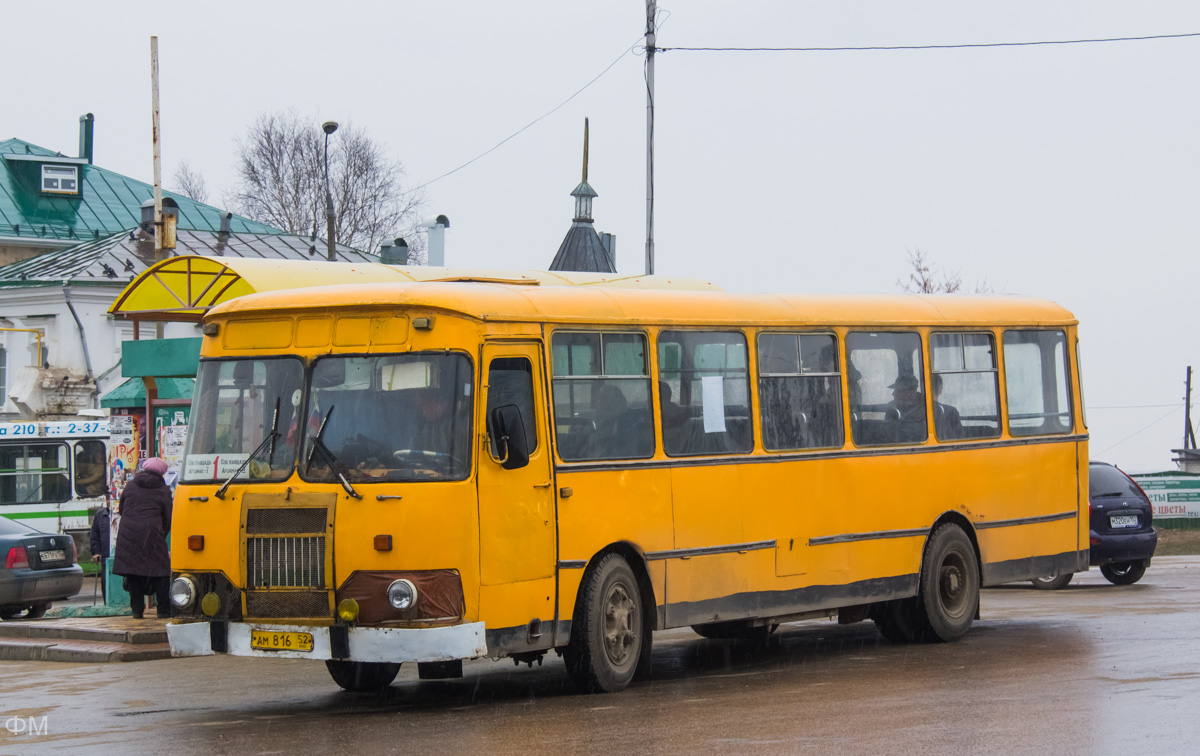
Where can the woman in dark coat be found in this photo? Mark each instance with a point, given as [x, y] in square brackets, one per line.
[141, 549]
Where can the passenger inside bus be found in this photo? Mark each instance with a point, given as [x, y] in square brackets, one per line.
[908, 403]
[946, 419]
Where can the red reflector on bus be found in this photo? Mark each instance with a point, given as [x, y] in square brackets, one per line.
[196, 542]
[383, 543]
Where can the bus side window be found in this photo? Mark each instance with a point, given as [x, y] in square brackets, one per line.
[711, 413]
[799, 388]
[602, 396]
[887, 400]
[966, 389]
[1036, 378]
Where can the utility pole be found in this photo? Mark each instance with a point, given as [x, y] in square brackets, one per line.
[157, 135]
[1189, 436]
[651, 12]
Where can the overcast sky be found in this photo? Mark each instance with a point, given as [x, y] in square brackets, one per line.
[1068, 172]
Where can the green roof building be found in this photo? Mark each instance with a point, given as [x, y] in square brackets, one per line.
[51, 201]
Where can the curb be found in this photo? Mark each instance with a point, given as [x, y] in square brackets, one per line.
[15, 649]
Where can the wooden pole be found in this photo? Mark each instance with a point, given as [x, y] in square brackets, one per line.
[157, 136]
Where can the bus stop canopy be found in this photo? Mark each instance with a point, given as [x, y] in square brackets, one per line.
[185, 288]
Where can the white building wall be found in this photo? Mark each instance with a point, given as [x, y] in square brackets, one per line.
[45, 309]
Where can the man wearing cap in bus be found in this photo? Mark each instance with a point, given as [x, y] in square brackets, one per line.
[908, 403]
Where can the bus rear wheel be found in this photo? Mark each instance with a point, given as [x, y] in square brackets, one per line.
[609, 634]
[361, 677]
[949, 592]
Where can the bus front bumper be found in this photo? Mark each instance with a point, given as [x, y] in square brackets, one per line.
[364, 644]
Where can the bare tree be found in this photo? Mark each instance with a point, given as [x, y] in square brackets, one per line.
[925, 278]
[189, 183]
[281, 172]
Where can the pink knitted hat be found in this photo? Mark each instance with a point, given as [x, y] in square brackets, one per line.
[155, 465]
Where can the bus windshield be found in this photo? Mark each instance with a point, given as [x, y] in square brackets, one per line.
[388, 417]
[237, 405]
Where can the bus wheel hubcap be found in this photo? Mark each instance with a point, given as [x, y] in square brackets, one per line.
[620, 624]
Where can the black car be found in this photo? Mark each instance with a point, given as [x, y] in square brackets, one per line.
[1122, 528]
[39, 568]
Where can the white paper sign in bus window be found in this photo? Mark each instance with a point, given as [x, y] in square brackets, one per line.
[713, 395]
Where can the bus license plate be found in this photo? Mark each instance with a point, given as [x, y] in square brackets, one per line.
[268, 641]
[1123, 521]
[53, 556]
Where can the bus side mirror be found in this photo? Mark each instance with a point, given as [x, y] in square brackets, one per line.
[508, 435]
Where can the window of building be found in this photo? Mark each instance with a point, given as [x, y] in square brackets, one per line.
[60, 179]
[601, 387]
[705, 393]
[887, 395]
[966, 386]
[799, 391]
[1035, 376]
[34, 474]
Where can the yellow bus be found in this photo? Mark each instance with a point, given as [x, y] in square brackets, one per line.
[431, 472]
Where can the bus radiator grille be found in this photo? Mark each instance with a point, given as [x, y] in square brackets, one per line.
[285, 562]
[280, 604]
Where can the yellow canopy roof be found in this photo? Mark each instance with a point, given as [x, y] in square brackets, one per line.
[185, 288]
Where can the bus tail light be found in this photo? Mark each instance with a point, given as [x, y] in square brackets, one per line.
[196, 542]
[16, 558]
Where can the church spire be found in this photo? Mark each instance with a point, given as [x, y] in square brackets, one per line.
[584, 193]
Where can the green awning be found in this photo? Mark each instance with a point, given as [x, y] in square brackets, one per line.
[132, 393]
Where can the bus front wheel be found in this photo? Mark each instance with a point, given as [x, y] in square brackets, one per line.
[949, 592]
[609, 635]
[362, 676]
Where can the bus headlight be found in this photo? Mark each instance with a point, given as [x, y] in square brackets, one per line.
[183, 592]
[402, 594]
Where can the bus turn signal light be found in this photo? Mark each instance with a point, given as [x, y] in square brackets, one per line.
[383, 543]
[196, 542]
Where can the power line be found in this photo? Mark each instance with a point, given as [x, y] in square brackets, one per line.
[557, 107]
[926, 47]
[1137, 433]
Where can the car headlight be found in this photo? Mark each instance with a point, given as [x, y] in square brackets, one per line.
[183, 592]
[402, 594]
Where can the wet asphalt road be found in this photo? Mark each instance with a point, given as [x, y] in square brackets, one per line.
[1095, 668]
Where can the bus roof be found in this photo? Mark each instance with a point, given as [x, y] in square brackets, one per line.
[184, 288]
[605, 305]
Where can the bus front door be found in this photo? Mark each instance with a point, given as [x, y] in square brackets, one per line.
[516, 507]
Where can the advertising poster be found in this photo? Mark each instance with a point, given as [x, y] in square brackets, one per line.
[1172, 494]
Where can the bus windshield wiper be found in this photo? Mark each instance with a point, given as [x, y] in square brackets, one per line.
[330, 459]
[270, 439]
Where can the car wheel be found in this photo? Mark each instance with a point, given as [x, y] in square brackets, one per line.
[609, 629]
[1052, 583]
[1123, 573]
[949, 593]
[38, 610]
[12, 612]
[362, 677]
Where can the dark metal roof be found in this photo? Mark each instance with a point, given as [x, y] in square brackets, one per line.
[119, 258]
[107, 203]
[581, 250]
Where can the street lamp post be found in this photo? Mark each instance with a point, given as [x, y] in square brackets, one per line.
[328, 127]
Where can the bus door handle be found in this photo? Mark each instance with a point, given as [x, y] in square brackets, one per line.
[547, 484]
